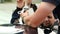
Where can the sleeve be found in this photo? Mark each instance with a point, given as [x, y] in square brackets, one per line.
[57, 11]
[55, 2]
[15, 13]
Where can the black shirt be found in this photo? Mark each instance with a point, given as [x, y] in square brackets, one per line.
[55, 2]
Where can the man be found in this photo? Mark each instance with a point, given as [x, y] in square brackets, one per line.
[20, 6]
[45, 8]
[48, 23]
[16, 15]
[57, 9]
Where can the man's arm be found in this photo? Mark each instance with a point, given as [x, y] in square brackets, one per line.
[40, 14]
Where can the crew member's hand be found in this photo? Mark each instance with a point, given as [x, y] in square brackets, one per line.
[24, 14]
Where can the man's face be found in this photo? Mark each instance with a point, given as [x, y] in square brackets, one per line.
[48, 21]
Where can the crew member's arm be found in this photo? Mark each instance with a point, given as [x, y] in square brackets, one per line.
[40, 14]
